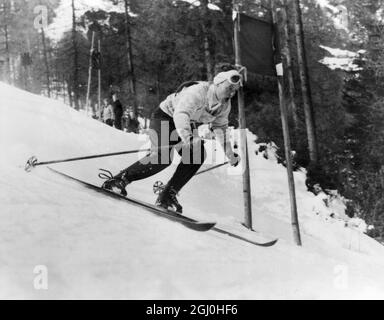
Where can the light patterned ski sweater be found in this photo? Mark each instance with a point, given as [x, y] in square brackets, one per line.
[198, 103]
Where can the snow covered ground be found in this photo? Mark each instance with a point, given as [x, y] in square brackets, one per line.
[95, 247]
[341, 59]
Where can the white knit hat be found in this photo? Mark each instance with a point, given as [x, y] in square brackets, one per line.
[227, 75]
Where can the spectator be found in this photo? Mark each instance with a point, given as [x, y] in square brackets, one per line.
[130, 122]
[117, 110]
[107, 113]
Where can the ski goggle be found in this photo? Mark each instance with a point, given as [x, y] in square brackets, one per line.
[235, 79]
[232, 76]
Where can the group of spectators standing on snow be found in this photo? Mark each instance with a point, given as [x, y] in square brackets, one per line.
[113, 114]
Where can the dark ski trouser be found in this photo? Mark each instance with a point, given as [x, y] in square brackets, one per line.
[162, 134]
[117, 121]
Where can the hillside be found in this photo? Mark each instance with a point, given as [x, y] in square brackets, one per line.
[96, 247]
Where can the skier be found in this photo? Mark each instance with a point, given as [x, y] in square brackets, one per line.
[174, 123]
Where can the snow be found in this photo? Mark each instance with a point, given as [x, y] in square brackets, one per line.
[339, 14]
[340, 52]
[342, 59]
[63, 19]
[340, 63]
[95, 247]
[197, 3]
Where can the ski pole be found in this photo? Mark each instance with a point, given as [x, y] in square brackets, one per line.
[33, 162]
[158, 186]
[211, 168]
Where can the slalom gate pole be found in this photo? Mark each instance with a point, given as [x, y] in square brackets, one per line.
[90, 72]
[242, 126]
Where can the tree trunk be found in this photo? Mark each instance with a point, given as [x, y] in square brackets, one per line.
[207, 45]
[7, 53]
[46, 62]
[87, 103]
[75, 60]
[69, 90]
[158, 88]
[305, 86]
[63, 89]
[99, 81]
[132, 79]
[288, 67]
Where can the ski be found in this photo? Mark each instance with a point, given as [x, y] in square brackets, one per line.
[168, 214]
[236, 236]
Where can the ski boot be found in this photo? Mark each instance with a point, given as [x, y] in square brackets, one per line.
[116, 184]
[167, 199]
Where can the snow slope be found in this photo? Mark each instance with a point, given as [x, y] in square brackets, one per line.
[96, 247]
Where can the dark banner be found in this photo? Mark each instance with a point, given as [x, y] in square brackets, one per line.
[256, 45]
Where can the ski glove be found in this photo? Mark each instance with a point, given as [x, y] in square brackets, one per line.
[193, 142]
[234, 159]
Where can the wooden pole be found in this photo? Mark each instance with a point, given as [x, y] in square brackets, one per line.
[62, 87]
[158, 87]
[99, 78]
[75, 83]
[305, 86]
[288, 157]
[7, 54]
[243, 136]
[132, 79]
[46, 62]
[56, 74]
[90, 70]
[287, 141]
[207, 49]
[69, 90]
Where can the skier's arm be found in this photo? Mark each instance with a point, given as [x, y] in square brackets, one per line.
[222, 136]
[220, 129]
[185, 106]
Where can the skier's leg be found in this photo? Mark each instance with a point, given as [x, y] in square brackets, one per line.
[192, 159]
[161, 129]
